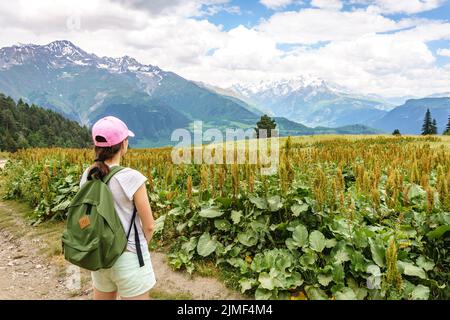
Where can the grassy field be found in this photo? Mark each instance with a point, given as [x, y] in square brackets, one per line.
[342, 217]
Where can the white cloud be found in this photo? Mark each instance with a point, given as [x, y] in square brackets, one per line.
[246, 49]
[427, 31]
[186, 8]
[403, 6]
[276, 4]
[361, 49]
[310, 26]
[327, 4]
[444, 52]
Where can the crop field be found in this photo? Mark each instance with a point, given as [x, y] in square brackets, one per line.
[343, 217]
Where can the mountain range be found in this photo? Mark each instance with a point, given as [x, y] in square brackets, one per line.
[85, 87]
[311, 101]
[315, 102]
[408, 117]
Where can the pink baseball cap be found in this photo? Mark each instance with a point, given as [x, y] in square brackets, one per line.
[112, 129]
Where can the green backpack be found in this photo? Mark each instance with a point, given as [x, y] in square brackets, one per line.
[94, 237]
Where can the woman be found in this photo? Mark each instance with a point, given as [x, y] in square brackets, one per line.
[126, 279]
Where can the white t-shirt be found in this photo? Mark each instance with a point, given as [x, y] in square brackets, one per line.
[123, 186]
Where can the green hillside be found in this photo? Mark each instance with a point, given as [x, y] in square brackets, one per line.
[23, 126]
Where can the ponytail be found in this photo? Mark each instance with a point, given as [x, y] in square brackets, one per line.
[100, 169]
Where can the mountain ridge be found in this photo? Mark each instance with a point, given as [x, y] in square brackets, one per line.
[311, 101]
[84, 87]
[408, 117]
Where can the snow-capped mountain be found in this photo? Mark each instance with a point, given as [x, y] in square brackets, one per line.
[282, 87]
[84, 87]
[312, 101]
[60, 54]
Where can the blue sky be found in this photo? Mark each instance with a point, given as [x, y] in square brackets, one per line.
[251, 12]
[390, 48]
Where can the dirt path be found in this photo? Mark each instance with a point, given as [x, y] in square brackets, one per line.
[27, 271]
[24, 272]
[181, 282]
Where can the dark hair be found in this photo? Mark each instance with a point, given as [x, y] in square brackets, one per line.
[100, 169]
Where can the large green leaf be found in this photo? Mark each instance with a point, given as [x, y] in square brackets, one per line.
[236, 216]
[266, 281]
[297, 209]
[258, 226]
[346, 294]
[324, 279]
[425, 263]
[308, 258]
[275, 203]
[292, 280]
[261, 262]
[330, 243]
[360, 293]
[159, 224]
[210, 213]
[189, 245]
[176, 211]
[248, 238]
[260, 203]
[411, 270]
[360, 237]
[420, 292]
[317, 241]
[263, 294]
[314, 293]
[239, 263]
[359, 263]
[338, 273]
[225, 202]
[283, 260]
[62, 206]
[438, 232]
[222, 224]
[378, 252]
[291, 244]
[247, 284]
[206, 245]
[300, 235]
[341, 256]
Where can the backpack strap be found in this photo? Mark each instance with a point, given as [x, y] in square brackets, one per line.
[106, 179]
[111, 173]
[136, 238]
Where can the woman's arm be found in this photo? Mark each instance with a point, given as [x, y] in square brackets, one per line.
[145, 212]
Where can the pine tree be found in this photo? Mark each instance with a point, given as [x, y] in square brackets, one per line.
[267, 123]
[434, 128]
[447, 129]
[396, 132]
[427, 124]
[22, 126]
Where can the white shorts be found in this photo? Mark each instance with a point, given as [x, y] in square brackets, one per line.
[126, 277]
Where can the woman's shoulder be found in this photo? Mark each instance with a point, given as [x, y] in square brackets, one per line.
[129, 173]
[129, 180]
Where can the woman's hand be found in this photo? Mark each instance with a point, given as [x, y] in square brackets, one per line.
[145, 212]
